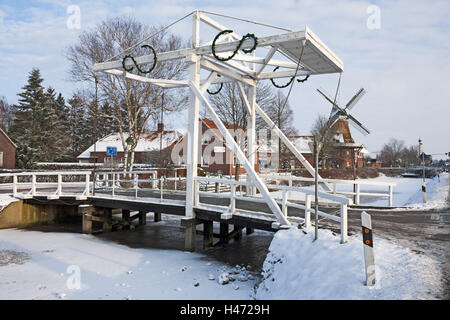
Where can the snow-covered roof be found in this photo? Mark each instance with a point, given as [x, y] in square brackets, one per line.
[302, 143]
[149, 141]
[364, 151]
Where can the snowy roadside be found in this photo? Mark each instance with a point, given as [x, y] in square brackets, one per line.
[299, 268]
[407, 192]
[38, 265]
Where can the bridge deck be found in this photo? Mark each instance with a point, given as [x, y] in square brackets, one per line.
[251, 215]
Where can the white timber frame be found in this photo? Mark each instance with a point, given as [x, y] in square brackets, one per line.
[246, 70]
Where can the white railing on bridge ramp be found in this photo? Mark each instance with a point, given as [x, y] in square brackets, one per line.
[355, 194]
[31, 184]
[285, 203]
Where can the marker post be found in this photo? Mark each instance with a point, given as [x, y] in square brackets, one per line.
[369, 258]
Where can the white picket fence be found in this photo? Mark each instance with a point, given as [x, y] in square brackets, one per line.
[356, 194]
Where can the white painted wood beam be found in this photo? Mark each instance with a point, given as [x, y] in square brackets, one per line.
[242, 159]
[269, 56]
[288, 143]
[212, 66]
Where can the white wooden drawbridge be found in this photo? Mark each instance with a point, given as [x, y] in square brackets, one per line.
[303, 54]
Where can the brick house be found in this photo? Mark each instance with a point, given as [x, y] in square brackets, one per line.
[344, 155]
[147, 150]
[7, 152]
[213, 156]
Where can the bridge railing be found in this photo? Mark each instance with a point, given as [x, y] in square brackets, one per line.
[49, 184]
[285, 202]
[355, 194]
[135, 181]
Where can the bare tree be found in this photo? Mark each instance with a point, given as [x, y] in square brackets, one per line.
[280, 111]
[392, 152]
[324, 133]
[132, 102]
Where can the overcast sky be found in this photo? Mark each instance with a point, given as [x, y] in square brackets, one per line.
[404, 64]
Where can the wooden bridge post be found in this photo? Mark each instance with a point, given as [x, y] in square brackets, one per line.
[208, 234]
[107, 220]
[87, 224]
[224, 233]
[142, 218]
[190, 233]
[86, 211]
[157, 216]
[238, 233]
[126, 218]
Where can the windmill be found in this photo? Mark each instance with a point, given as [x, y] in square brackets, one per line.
[338, 113]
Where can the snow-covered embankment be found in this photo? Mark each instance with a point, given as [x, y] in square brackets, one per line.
[297, 267]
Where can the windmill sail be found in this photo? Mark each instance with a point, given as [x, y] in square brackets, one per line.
[355, 99]
[328, 98]
[357, 125]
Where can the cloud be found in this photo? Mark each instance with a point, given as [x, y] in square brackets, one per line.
[403, 66]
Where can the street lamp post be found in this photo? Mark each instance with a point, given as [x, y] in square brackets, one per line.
[316, 190]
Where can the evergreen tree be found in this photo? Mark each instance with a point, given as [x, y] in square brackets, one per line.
[55, 141]
[26, 130]
[77, 126]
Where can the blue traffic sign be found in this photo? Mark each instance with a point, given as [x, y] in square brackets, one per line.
[111, 151]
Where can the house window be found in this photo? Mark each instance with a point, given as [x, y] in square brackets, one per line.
[1, 159]
[292, 164]
[234, 161]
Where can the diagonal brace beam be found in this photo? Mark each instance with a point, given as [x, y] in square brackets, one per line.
[289, 144]
[242, 158]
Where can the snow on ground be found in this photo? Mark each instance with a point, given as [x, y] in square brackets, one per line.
[407, 192]
[5, 200]
[38, 265]
[297, 267]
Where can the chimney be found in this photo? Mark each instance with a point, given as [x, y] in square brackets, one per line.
[160, 127]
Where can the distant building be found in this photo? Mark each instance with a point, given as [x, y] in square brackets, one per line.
[427, 157]
[213, 156]
[345, 154]
[7, 152]
[148, 150]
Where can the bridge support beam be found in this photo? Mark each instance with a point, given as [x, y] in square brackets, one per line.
[107, 220]
[126, 218]
[190, 233]
[87, 224]
[237, 231]
[142, 218]
[157, 216]
[208, 234]
[224, 233]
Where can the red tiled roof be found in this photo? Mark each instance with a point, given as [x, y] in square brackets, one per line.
[210, 124]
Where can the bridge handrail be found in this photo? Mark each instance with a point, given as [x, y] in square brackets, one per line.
[356, 186]
[285, 203]
[59, 183]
